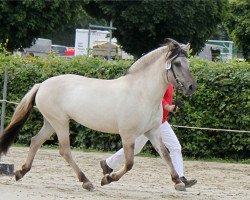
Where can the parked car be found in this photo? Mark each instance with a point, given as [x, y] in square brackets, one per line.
[70, 51]
[58, 49]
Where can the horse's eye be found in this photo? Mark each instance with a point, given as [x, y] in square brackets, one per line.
[177, 64]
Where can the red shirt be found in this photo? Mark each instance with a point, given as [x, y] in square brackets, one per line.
[167, 99]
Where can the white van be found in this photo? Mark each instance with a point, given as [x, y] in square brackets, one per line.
[40, 48]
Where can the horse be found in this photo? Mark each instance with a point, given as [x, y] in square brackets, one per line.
[129, 105]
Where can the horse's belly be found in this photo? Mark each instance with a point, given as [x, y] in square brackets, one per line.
[101, 123]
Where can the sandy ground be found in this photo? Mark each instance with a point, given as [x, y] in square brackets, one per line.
[52, 178]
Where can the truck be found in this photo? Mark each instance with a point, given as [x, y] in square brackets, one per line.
[81, 40]
[99, 44]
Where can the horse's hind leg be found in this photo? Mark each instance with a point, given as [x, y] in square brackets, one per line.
[155, 139]
[36, 142]
[62, 131]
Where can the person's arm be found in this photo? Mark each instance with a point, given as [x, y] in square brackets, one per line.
[167, 101]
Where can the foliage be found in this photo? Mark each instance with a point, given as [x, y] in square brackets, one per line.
[143, 25]
[238, 25]
[67, 35]
[221, 101]
[23, 21]
[220, 33]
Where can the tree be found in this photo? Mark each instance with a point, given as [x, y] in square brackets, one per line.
[143, 25]
[67, 35]
[220, 33]
[238, 25]
[23, 21]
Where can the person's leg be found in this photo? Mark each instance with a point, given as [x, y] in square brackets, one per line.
[172, 143]
[116, 159]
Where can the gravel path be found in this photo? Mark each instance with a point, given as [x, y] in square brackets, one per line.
[52, 179]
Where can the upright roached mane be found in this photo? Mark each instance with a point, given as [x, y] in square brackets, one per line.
[108, 106]
[146, 60]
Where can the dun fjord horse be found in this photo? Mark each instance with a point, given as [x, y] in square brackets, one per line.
[129, 105]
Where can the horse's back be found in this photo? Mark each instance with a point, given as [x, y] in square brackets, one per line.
[92, 102]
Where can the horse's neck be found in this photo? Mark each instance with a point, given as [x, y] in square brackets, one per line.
[152, 80]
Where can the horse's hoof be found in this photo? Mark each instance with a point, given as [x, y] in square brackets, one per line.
[18, 175]
[180, 187]
[106, 180]
[88, 186]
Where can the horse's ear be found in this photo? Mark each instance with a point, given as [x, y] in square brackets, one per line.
[185, 47]
[173, 42]
[170, 57]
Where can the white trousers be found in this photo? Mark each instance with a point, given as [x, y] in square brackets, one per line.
[170, 141]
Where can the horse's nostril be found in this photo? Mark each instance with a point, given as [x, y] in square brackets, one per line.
[190, 87]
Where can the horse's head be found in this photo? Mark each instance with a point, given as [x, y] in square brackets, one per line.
[177, 66]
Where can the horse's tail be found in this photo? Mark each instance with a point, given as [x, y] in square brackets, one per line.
[18, 119]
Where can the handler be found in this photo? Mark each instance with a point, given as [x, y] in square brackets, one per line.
[168, 137]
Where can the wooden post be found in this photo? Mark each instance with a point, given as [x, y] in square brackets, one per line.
[4, 98]
[6, 169]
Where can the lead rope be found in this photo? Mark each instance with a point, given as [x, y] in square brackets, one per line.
[176, 99]
[178, 104]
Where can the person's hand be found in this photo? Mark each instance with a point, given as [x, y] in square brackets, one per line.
[171, 108]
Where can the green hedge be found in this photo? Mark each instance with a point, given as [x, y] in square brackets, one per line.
[221, 101]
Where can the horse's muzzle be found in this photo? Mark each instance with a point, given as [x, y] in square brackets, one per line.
[189, 89]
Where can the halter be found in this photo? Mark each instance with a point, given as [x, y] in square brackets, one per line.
[178, 52]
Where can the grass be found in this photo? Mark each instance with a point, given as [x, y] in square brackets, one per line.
[145, 154]
[220, 160]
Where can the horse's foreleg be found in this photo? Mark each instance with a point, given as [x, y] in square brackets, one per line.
[62, 131]
[36, 142]
[129, 161]
[156, 141]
